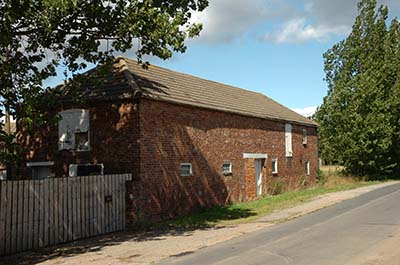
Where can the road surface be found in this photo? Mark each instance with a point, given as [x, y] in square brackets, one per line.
[363, 230]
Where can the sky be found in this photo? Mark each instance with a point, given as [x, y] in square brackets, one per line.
[270, 46]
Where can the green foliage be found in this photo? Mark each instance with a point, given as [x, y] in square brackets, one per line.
[279, 186]
[359, 118]
[36, 36]
[248, 211]
[303, 181]
[322, 178]
[13, 148]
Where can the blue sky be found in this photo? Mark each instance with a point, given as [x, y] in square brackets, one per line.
[271, 46]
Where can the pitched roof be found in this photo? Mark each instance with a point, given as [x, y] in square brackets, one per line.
[129, 79]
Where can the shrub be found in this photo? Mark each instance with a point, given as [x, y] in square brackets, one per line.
[322, 178]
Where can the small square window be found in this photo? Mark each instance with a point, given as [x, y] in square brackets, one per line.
[226, 168]
[275, 166]
[304, 136]
[186, 170]
[307, 168]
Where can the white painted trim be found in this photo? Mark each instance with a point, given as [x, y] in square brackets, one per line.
[259, 176]
[40, 164]
[275, 170]
[255, 156]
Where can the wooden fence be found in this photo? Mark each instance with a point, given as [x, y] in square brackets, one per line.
[39, 213]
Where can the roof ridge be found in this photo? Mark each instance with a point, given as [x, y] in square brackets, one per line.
[123, 67]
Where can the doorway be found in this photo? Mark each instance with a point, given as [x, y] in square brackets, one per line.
[258, 163]
[254, 167]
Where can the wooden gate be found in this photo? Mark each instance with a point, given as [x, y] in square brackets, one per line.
[39, 213]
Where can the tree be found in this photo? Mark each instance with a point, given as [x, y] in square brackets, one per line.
[359, 117]
[36, 36]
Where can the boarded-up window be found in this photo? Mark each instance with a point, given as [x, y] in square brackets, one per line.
[73, 130]
[40, 169]
[304, 136]
[41, 172]
[76, 170]
[288, 140]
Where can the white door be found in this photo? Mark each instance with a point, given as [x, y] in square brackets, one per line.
[258, 170]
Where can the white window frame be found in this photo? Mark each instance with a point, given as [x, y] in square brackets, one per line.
[304, 136]
[229, 171]
[308, 168]
[190, 169]
[288, 140]
[274, 162]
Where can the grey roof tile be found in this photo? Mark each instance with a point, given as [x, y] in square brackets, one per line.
[128, 78]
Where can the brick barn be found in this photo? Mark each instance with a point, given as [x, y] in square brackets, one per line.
[188, 142]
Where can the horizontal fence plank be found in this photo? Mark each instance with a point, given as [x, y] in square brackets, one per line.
[39, 213]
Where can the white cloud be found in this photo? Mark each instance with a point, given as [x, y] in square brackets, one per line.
[297, 31]
[306, 111]
[227, 20]
[320, 20]
[296, 21]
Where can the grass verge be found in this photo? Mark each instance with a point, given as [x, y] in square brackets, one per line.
[250, 211]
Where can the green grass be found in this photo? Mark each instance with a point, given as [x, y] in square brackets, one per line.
[250, 211]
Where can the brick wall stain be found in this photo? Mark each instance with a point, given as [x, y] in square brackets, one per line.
[150, 139]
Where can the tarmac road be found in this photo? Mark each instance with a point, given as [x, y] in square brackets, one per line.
[363, 230]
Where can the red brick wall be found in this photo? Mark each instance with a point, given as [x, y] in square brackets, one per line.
[113, 133]
[150, 139]
[173, 134]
